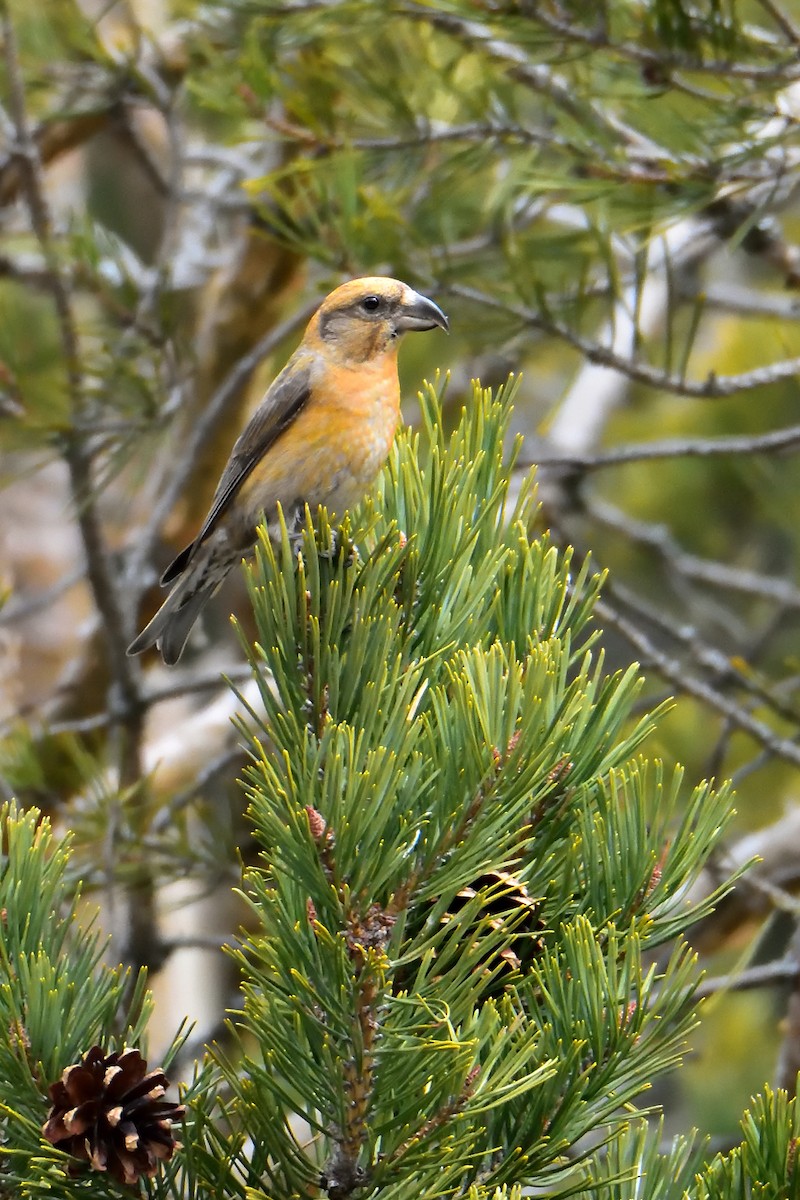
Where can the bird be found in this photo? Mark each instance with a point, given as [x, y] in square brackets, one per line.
[319, 437]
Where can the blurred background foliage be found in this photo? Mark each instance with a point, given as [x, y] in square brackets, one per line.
[602, 197]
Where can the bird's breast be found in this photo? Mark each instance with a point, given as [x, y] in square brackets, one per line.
[335, 447]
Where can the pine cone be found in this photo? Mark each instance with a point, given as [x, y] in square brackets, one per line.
[108, 1111]
[505, 899]
[507, 893]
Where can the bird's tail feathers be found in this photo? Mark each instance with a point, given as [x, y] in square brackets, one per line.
[172, 624]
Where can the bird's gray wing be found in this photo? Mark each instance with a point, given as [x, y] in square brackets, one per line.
[284, 400]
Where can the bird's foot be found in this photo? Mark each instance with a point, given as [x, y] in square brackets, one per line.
[341, 547]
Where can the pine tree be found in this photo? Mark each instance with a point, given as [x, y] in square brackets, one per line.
[450, 983]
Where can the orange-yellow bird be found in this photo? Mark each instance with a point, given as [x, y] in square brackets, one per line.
[320, 436]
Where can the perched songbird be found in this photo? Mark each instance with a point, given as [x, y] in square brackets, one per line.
[320, 436]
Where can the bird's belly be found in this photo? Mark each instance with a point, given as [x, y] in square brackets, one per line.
[325, 457]
[356, 471]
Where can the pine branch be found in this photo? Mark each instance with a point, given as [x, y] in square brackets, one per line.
[663, 62]
[57, 1002]
[397, 774]
[536, 77]
[124, 704]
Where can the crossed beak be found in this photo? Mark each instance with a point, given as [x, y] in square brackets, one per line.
[418, 312]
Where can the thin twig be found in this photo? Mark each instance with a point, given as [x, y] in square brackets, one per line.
[192, 941]
[765, 443]
[21, 609]
[782, 970]
[198, 683]
[676, 673]
[714, 387]
[52, 138]
[165, 818]
[702, 570]
[185, 687]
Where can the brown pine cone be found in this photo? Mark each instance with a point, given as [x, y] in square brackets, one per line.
[108, 1111]
[505, 901]
[507, 894]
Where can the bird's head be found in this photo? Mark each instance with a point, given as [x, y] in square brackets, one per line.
[364, 318]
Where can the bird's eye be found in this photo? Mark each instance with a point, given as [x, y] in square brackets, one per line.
[371, 304]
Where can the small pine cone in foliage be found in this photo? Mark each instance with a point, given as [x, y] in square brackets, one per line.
[506, 902]
[507, 895]
[109, 1111]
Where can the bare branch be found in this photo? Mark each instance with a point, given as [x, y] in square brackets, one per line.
[659, 539]
[779, 440]
[782, 970]
[50, 140]
[727, 671]
[713, 388]
[677, 674]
